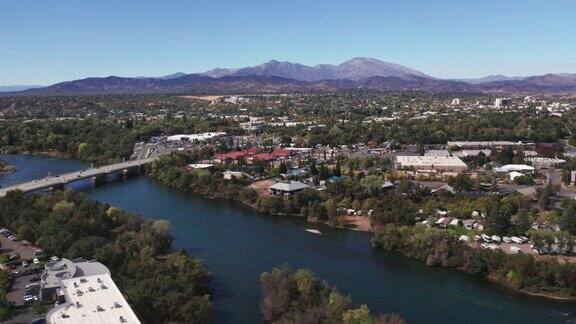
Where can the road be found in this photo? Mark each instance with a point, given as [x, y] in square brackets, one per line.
[62, 179]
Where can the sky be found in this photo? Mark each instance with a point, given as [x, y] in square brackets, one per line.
[44, 42]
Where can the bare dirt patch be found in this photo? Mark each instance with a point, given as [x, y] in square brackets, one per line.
[262, 186]
[360, 223]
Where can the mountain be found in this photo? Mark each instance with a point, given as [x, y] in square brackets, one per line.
[173, 75]
[355, 69]
[196, 83]
[286, 77]
[490, 78]
[548, 83]
[11, 88]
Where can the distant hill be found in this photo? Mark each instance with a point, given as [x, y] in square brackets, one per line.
[11, 88]
[490, 78]
[284, 77]
[355, 69]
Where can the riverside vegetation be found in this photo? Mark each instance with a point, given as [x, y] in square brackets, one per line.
[298, 296]
[162, 285]
[395, 216]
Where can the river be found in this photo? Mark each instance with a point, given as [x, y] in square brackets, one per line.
[238, 244]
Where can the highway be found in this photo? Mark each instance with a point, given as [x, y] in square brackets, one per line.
[62, 179]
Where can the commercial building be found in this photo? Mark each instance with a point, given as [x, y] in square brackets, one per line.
[85, 293]
[522, 168]
[544, 162]
[90, 299]
[431, 163]
[195, 137]
[502, 102]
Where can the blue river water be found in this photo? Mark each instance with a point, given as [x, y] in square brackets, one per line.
[238, 244]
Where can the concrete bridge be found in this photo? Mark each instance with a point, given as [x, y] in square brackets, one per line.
[98, 174]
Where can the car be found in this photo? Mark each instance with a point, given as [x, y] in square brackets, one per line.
[24, 264]
[34, 279]
[54, 258]
[30, 298]
[32, 285]
[35, 260]
[38, 252]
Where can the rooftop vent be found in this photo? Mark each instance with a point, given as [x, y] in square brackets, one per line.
[91, 289]
[117, 305]
[78, 305]
[103, 286]
[122, 320]
[99, 308]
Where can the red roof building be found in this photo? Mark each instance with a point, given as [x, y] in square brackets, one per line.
[281, 153]
[265, 157]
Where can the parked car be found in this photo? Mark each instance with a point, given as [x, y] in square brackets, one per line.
[24, 264]
[54, 258]
[35, 260]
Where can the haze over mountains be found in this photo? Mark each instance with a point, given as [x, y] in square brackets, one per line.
[282, 77]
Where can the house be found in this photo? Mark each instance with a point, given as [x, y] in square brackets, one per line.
[515, 174]
[229, 175]
[201, 166]
[468, 223]
[229, 156]
[283, 188]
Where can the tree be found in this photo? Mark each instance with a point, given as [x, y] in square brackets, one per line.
[568, 220]
[498, 222]
[461, 183]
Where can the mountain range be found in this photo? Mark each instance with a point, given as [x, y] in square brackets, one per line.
[283, 77]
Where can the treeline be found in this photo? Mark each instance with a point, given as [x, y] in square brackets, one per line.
[170, 171]
[519, 271]
[98, 140]
[290, 296]
[162, 285]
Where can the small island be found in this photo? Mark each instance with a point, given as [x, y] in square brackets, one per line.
[5, 167]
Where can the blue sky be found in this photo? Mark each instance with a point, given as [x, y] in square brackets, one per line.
[43, 42]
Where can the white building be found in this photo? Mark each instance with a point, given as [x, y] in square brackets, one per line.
[432, 163]
[522, 168]
[502, 102]
[91, 299]
[287, 188]
[196, 137]
[85, 294]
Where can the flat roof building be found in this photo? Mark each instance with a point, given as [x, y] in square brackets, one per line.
[489, 144]
[287, 187]
[432, 163]
[90, 299]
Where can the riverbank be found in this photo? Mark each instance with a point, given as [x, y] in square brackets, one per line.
[238, 244]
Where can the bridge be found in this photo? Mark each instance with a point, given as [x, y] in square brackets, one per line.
[58, 181]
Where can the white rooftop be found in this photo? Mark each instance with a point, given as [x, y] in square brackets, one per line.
[195, 137]
[430, 160]
[289, 186]
[514, 167]
[91, 299]
[437, 153]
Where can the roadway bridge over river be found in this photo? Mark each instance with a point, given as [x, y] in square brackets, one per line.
[58, 181]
